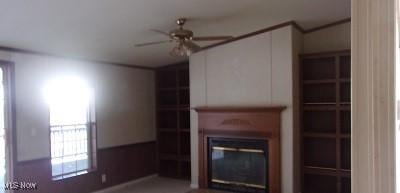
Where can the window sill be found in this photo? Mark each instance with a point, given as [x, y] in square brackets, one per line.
[67, 176]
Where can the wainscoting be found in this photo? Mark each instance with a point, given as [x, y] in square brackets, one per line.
[120, 164]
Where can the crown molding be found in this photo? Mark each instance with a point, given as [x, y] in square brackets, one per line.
[26, 51]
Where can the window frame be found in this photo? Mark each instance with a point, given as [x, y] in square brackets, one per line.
[91, 127]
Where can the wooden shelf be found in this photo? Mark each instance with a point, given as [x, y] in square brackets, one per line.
[184, 88]
[323, 81]
[345, 173]
[326, 81]
[345, 136]
[167, 89]
[173, 107]
[320, 103]
[166, 130]
[173, 157]
[173, 120]
[325, 135]
[320, 135]
[320, 170]
[324, 107]
[326, 122]
[185, 130]
[326, 171]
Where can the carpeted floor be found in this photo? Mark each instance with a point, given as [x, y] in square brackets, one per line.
[157, 185]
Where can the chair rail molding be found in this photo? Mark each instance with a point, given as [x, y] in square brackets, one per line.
[373, 96]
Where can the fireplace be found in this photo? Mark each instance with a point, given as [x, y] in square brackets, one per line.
[239, 149]
[239, 165]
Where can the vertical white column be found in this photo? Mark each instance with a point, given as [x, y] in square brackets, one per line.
[397, 100]
[373, 101]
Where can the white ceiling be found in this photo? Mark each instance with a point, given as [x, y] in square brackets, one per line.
[108, 29]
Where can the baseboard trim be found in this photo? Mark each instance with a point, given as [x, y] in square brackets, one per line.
[194, 186]
[123, 185]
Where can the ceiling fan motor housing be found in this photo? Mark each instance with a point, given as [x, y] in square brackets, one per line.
[181, 34]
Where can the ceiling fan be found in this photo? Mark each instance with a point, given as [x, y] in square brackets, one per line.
[184, 38]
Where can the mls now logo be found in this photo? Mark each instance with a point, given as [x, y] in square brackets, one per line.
[20, 186]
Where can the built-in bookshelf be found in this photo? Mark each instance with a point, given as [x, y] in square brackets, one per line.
[325, 122]
[173, 120]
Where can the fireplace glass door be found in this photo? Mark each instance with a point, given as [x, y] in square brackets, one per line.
[238, 165]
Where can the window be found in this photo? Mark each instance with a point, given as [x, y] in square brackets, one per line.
[72, 127]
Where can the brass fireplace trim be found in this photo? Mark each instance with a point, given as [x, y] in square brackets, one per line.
[238, 183]
[238, 149]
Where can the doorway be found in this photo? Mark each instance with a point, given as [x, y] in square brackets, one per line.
[7, 123]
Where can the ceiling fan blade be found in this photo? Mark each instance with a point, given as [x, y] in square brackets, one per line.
[192, 46]
[160, 32]
[211, 38]
[152, 43]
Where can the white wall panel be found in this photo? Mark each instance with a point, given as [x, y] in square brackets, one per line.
[281, 78]
[239, 73]
[198, 93]
[256, 71]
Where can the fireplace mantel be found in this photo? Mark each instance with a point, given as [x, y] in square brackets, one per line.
[241, 122]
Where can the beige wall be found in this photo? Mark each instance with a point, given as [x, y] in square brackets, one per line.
[333, 38]
[124, 101]
[237, 74]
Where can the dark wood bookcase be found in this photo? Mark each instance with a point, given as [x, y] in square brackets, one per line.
[325, 120]
[173, 120]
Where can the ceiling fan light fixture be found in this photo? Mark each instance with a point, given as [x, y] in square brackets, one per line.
[192, 47]
[178, 50]
[184, 48]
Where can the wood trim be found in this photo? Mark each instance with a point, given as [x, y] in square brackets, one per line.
[119, 164]
[296, 82]
[239, 109]
[298, 27]
[319, 54]
[327, 25]
[177, 64]
[26, 51]
[292, 23]
[125, 146]
[33, 161]
[289, 23]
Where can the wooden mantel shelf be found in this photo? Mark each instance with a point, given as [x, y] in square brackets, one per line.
[240, 109]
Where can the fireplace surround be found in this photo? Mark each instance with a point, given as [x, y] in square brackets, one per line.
[244, 138]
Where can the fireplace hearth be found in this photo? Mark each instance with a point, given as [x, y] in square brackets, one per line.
[239, 149]
[238, 165]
